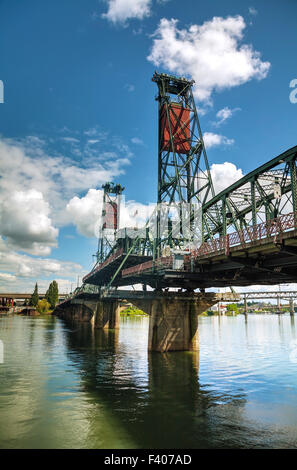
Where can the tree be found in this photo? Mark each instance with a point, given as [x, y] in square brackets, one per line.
[52, 294]
[35, 297]
[232, 308]
[43, 306]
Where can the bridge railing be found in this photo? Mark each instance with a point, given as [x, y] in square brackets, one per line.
[108, 260]
[251, 235]
[159, 263]
[254, 234]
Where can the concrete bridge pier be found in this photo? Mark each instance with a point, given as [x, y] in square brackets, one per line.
[102, 314]
[107, 314]
[292, 310]
[76, 310]
[173, 324]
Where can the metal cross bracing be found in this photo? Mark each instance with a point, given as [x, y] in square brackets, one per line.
[264, 194]
[183, 169]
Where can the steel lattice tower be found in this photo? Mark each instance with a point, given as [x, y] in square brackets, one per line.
[110, 218]
[183, 169]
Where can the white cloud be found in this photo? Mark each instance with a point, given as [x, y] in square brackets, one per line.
[224, 174]
[7, 277]
[27, 266]
[211, 53]
[20, 272]
[85, 212]
[224, 114]
[70, 139]
[134, 214]
[253, 11]
[93, 141]
[214, 140]
[36, 185]
[25, 222]
[119, 11]
[136, 141]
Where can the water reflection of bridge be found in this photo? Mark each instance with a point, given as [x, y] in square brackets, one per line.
[161, 400]
[145, 393]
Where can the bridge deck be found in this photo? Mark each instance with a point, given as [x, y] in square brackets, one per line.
[102, 273]
[262, 254]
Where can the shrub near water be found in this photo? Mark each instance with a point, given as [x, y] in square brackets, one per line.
[43, 306]
[132, 311]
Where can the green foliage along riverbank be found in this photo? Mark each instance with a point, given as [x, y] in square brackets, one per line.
[48, 304]
[131, 310]
[43, 306]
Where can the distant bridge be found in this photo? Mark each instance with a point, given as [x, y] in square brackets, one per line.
[277, 295]
[286, 295]
[7, 297]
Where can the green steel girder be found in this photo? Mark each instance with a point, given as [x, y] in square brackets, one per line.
[252, 193]
[288, 156]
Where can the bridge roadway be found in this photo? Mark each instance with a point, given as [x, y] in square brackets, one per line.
[173, 323]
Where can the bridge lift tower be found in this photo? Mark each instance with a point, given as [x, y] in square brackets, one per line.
[110, 219]
[184, 178]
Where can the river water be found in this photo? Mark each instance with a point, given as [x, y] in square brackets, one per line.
[64, 386]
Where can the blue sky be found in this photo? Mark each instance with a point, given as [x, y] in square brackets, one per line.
[79, 108]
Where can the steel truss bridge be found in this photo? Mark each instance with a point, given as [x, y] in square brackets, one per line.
[19, 296]
[248, 232]
[289, 296]
[286, 295]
